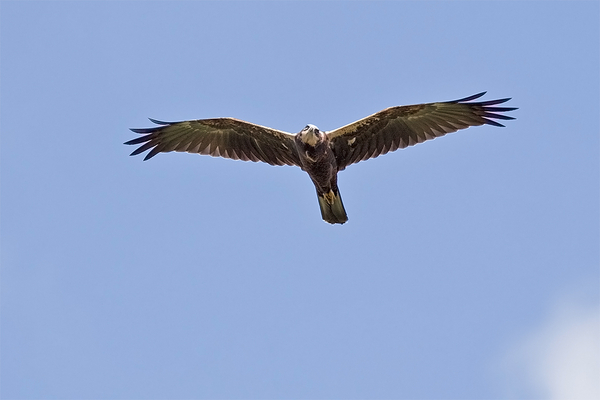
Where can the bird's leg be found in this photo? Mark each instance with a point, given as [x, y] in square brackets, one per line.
[329, 197]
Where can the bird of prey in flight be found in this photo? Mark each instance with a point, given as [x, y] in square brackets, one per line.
[321, 154]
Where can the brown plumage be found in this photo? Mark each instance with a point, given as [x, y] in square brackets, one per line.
[321, 154]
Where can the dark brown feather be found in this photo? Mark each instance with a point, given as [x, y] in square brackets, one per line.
[399, 127]
[219, 137]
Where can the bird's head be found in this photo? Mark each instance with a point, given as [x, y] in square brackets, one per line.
[311, 135]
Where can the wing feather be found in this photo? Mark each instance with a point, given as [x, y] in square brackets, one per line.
[219, 137]
[399, 127]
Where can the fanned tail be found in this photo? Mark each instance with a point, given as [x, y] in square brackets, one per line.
[332, 208]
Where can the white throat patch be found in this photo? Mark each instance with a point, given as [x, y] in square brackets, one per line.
[309, 135]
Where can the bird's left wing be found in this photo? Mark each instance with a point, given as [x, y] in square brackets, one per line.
[399, 127]
[219, 137]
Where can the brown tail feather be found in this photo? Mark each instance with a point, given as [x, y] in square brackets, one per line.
[332, 208]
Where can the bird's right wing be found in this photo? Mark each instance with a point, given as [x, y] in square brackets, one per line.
[399, 127]
[219, 137]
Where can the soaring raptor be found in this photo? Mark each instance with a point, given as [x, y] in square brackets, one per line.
[321, 154]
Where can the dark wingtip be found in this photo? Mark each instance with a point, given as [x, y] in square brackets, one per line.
[475, 96]
[137, 151]
[493, 102]
[150, 155]
[138, 140]
[484, 108]
[157, 122]
[494, 123]
[488, 114]
[501, 109]
[144, 130]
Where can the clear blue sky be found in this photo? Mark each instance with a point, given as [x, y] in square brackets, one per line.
[189, 276]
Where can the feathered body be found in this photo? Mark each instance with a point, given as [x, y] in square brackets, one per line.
[321, 154]
[318, 160]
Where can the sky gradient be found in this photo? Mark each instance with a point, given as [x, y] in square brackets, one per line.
[469, 267]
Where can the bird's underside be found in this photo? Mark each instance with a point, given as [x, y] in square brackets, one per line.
[321, 154]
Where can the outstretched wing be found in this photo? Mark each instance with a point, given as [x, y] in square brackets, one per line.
[219, 137]
[399, 127]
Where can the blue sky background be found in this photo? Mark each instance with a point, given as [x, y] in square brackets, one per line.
[194, 277]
